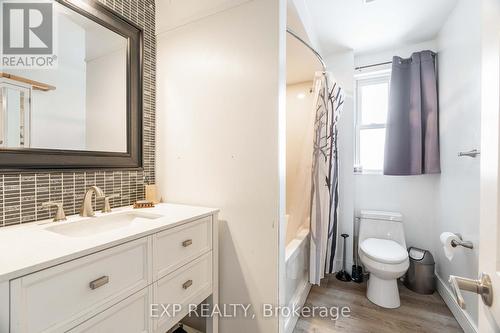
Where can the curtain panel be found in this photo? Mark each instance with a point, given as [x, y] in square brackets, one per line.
[325, 182]
[412, 135]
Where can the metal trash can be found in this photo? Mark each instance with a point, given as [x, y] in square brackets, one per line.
[420, 275]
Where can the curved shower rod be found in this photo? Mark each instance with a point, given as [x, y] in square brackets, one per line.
[316, 53]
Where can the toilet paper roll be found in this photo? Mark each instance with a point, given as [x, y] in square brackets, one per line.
[446, 238]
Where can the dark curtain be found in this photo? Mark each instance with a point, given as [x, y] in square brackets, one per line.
[412, 136]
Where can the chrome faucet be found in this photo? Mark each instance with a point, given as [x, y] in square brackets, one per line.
[86, 209]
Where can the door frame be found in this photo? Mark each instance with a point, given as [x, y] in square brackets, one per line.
[489, 228]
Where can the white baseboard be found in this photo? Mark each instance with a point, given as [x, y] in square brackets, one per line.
[298, 300]
[460, 315]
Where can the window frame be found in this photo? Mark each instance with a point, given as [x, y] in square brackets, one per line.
[364, 79]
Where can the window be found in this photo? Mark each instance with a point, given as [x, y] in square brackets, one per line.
[372, 103]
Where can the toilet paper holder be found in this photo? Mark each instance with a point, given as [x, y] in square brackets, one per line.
[461, 242]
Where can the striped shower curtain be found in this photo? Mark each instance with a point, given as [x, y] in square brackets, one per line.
[325, 186]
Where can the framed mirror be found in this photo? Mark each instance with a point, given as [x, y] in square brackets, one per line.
[83, 112]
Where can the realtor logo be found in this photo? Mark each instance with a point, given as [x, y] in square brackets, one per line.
[28, 34]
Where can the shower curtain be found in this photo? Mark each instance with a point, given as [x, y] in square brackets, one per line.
[325, 185]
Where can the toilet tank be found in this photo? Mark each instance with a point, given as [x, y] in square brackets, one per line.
[384, 225]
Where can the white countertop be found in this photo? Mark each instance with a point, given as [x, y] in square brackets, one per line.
[27, 248]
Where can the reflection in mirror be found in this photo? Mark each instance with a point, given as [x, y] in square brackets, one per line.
[16, 116]
[79, 105]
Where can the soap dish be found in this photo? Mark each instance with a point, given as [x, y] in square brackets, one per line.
[144, 204]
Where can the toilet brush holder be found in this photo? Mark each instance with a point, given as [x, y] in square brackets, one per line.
[343, 275]
[357, 273]
[357, 270]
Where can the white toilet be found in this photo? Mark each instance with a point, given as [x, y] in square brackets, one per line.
[382, 250]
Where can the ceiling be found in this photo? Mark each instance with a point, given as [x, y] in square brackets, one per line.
[99, 40]
[337, 25]
[301, 63]
[171, 14]
[342, 25]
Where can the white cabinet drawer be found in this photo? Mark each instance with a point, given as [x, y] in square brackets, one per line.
[129, 316]
[61, 297]
[190, 284]
[178, 246]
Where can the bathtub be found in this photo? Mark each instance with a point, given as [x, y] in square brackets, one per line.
[297, 275]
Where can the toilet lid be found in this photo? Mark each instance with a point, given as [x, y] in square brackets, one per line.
[384, 250]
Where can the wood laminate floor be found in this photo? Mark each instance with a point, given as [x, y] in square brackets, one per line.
[418, 313]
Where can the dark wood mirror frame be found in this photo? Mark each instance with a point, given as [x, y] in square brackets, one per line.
[40, 159]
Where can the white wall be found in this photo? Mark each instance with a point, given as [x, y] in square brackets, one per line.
[302, 10]
[218, 141]
[459, 45]
[412, 196]
[403, 50]
[106, 102]
[299, 147]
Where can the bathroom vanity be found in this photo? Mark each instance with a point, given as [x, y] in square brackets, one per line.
[109, 273]
[86, 126]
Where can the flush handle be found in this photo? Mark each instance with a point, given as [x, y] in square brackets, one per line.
[187, 284]
[187, 242]
[99, 282]
[481, 286]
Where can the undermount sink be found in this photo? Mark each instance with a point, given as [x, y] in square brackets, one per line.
[96, 225]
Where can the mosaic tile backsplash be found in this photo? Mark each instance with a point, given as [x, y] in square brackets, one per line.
[21, 195]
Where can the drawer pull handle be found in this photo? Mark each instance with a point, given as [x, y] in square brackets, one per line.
[99, 282]
[188, 242]
[187, 284]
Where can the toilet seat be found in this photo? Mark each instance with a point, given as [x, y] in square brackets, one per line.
[384, 250]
